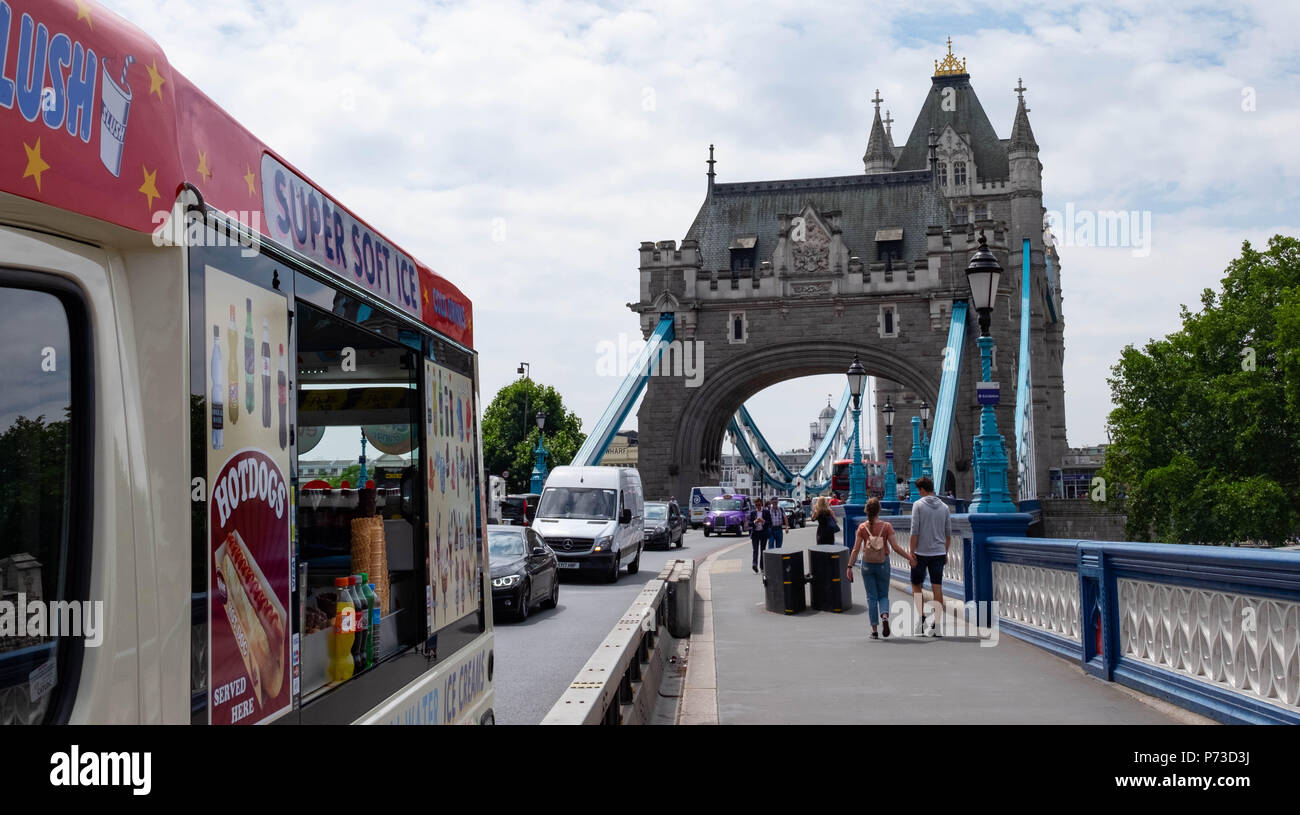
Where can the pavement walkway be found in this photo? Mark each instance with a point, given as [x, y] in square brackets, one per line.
[751, 666]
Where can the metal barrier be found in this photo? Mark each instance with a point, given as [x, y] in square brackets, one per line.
[1212, 629]
[620, 683]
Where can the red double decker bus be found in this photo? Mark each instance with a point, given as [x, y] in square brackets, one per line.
[875, 478]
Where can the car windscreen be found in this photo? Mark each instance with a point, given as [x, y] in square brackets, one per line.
[502, 543]
[655, 512]
[723, 504]
[584, 503]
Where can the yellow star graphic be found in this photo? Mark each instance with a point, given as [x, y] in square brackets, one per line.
[149, 187]
[35, 164]
[155, 79]
[249, 178]
[83, 13]
[203, 166]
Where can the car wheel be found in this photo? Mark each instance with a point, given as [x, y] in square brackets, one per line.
[635, 565]
[554, 599]
[706, 531]
[522, 611]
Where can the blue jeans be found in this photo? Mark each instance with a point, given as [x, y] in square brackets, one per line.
[775, 537]
[875, 579]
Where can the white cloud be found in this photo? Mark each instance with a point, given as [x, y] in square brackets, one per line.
[432, 120]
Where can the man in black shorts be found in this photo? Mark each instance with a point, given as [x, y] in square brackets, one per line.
[931, 530]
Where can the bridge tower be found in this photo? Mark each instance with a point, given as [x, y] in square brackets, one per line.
[777, 280]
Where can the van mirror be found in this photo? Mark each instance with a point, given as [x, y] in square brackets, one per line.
[626, 517]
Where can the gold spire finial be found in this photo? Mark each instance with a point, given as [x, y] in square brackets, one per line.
[950, 66]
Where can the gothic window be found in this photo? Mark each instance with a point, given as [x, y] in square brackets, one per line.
[888, 321]
[959, 173]
[742, 260]
[943, 174]
[737, 328]
[984, 212]
[961, 214]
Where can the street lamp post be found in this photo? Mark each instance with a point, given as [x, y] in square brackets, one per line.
[927, 466]
[891, 479]
[539, 466]
[857, 473]
[990, 495]
[523, 371]
[917, 462]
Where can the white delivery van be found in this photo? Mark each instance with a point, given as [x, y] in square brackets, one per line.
[700, 498]
[591, 517]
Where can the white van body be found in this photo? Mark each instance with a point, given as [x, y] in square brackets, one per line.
[592, 518]
[700, 498]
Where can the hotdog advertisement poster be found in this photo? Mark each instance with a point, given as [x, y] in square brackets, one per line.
[449, 416]
[250, 673]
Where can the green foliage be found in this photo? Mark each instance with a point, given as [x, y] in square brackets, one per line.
[510, 431]
[33, 494]
[1206, 424]
[350, 474]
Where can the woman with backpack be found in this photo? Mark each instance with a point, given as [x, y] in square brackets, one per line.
[874, 539]
[827, 527]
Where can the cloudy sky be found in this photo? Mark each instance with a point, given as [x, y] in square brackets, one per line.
[525, 149]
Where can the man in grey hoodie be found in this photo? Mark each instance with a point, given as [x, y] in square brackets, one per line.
[931, 530]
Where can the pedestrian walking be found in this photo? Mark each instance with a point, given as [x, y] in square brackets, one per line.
[759, 520]
[931, 531]
[776, 531]
[827, 526]
[872, 543]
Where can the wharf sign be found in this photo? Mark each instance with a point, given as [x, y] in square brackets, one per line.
[304, 219]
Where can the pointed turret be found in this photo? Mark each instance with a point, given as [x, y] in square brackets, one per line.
[1022, 135]
[879, 157]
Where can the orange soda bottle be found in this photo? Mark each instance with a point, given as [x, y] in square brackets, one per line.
[345, 627]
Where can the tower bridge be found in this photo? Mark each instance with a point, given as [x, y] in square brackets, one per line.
[789, 278]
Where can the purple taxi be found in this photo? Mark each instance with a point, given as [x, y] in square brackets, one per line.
[728, 513]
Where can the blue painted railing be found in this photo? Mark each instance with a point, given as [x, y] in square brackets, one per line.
[1215, 630]
[1212, 629]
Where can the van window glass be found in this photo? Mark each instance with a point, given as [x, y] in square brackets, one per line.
[35, 498]
[579, 503]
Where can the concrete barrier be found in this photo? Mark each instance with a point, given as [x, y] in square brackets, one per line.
[620, 683]
[681, 599]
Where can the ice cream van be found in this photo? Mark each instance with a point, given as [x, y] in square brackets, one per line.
[192, 329]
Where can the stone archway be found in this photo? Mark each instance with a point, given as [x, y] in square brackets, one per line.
[698, 434]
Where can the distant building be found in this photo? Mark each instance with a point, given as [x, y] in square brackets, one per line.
[1073, 479]
[622, 450]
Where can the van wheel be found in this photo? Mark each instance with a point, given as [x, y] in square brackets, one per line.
[635, 565]
[612, 575]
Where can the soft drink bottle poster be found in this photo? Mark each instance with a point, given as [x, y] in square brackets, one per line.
[249, 514]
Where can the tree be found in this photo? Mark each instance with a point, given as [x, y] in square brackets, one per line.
[351, 474]
[510, 431]
[1206, 424]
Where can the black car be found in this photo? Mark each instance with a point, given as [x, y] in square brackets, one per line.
[664, 524]
[524, 570]
[794, 512]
